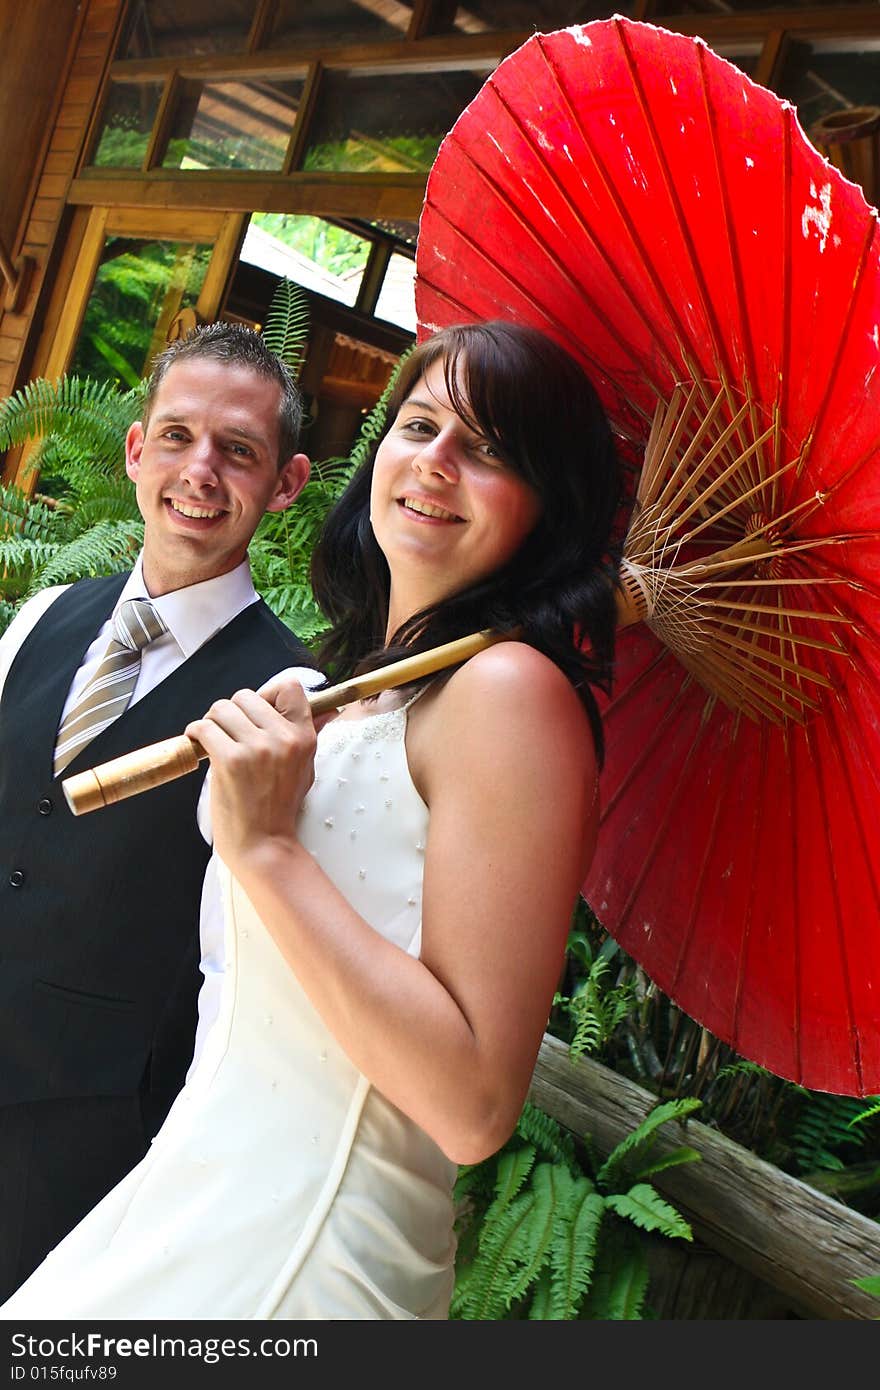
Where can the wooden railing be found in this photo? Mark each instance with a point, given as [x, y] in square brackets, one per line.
[797, 1240]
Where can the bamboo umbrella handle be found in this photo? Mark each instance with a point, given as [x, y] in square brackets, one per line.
[174, 757]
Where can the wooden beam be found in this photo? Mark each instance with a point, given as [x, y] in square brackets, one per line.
[441, 52]
[373, 196]
[792, 1237]
[222, 264]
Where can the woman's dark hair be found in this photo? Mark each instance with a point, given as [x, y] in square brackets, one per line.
[536, 406]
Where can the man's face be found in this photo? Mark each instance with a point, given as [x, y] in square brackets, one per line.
[206, 469]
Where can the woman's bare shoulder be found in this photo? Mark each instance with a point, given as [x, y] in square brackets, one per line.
[502, 692]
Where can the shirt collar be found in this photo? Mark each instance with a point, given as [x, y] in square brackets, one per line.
[192, 615]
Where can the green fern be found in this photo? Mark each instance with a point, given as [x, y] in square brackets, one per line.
[286, 330]
[642, 1205]
[576, 1229]
[625, 1158]
[81, 423]
[547, 1136]
[824, 1125]
[620, 1278]
[532, 1248]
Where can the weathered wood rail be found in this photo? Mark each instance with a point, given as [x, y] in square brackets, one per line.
[795, 1239]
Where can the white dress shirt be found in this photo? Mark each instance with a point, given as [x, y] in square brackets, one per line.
[192, 616]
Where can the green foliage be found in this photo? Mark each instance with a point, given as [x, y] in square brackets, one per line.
[871, 1284]
[286, 330]
[826, 1124]
[91, 524]
[543, 1235]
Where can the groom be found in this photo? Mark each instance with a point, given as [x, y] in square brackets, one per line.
[99, 942]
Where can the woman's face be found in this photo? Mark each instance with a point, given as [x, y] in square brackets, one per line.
[446, 510]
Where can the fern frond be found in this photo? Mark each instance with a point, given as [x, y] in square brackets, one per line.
[646, 1208]
[91, 417]
[825, 1125]
[107, 548]
[548, 1137]
[868, 1114]
[504, 1246]
[286, 330]
[539, 1305]
[542, 1231]
[620, 1282]
[625, 1156]
[670, 1160]
[573, 1256]
[27, 517]
[513, 1171]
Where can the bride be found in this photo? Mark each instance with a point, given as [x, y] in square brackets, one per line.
[397, 887]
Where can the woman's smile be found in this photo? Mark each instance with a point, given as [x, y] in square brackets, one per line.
[421, 509]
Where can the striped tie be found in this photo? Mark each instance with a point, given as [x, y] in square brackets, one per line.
[111, 687]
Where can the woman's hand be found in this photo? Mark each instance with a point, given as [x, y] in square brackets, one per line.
[262, 748]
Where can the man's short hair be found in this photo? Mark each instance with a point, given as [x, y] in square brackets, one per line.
[239, 346]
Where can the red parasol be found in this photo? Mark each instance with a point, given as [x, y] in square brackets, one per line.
[667, 221]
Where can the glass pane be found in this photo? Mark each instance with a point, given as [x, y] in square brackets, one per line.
[828, 75]
[139, 288]
[233, 125]
[397, 302]
[158, 28]
[325, 23]
[478, 16]
[313, 253]
[391, 121]
[128, 120]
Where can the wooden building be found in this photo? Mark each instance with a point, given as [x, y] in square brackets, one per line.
[165, 160]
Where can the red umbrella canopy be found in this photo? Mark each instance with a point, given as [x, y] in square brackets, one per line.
[667, 221]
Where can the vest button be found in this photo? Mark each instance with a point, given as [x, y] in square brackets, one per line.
[44, 806]
[16, 878]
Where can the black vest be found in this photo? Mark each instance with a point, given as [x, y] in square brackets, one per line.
[99, 913]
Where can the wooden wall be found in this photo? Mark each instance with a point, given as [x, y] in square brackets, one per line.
[54, 54]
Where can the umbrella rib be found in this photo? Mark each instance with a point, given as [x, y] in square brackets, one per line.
[778, 635]
[533, 235]
[738, 501]
[730, 641]
[770, 608]
[695, 444]
[731, 241]
[683, 228]
[846, 966]
[708, 848]
[754, 694]
[785, 298]
[831, 378]
[706, 496]
[757, 826]
[647, 749]
[662, 827]
[685, 346]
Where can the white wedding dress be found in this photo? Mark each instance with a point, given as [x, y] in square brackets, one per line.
[282, 1184]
